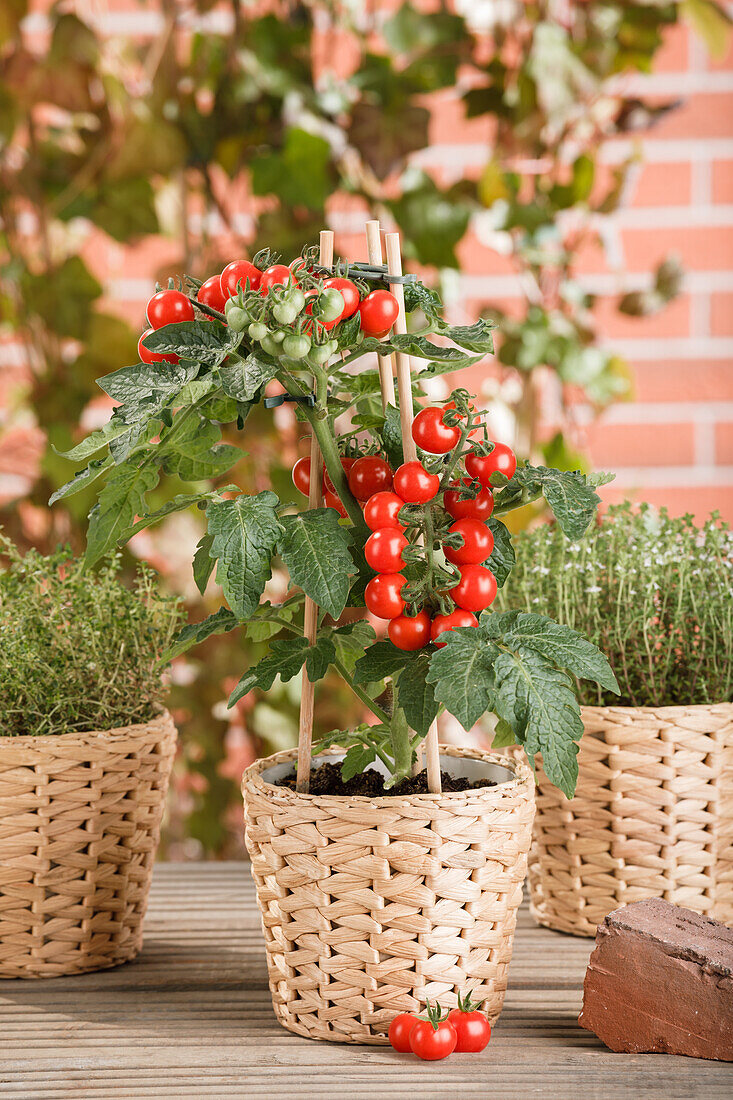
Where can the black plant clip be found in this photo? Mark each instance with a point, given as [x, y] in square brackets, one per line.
[308, 399]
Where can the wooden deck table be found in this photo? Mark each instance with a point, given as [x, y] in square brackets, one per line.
[191, 1017]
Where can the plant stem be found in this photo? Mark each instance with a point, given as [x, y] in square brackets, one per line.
[374, 707]
[457, 452]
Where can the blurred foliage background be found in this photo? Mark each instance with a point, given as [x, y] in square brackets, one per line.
[210, 141]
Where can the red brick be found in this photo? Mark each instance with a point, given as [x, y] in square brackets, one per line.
[673, 320]
[723, 181]
[673, 56]
[663, 185]
[615, 445]
[449, 125]
[683, 380]
[700, 247]
[475, 258]
[700, 502]
[721, 314]
[706, 115]
[724, 444]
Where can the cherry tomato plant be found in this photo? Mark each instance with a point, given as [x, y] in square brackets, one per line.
[417, 544]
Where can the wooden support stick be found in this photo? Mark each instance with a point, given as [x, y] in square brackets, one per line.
[386, 363]
[404, 386]
[310, 623]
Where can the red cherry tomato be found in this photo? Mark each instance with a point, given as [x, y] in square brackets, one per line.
[478, 542]
[210, 293]
[472, 1028]
[399, 1032]
[480, 507]
[443, 623]
[414, 484]
[433, 1043]
[348, 291]
[369, 475]
[431, 434]
[502, 460]
[382, 595]
[383, 550]
[382, 510]
[328, 485]
[168, 307]
[277, 275]
[472, 408]
[302, 475]
[239, 273]
[410, 631]
[378, 311]
[476, 589]
[147, 356]
[331, 500]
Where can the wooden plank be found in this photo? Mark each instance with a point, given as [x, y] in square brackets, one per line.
[192, 1017]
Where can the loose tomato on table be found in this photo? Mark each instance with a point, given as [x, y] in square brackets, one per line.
[383, 550]
[432, 434]
[478, 542]
[476, 590]
[238, 274]
[348, 291]
[383, 597]
[168, 307]
[472, 1028]
[479, 507]
[414, 484]
[211, 294]
[369, 475]
[502, 460]
[433, 1038]
[410, 632]
[443, 623]
[147, 356]
[399, 1032]
[378, 312]
[382, 510]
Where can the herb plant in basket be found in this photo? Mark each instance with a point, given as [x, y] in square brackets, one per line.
[85, 756]
[403, 519]
[652, 814]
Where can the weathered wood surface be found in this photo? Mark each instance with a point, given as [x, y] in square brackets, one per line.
[191, 1017]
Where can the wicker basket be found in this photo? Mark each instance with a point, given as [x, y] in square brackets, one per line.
[370, 905]
[652, 816]
[80, 819]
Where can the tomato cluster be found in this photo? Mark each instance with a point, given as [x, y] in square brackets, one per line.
[289, 311]
[433, 1037]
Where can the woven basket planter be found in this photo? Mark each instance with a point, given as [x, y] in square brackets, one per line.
[80, 818]
[652, 816]
[370, 905]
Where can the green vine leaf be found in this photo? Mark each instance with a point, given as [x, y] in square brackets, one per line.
[320, 657]
[121, 499]
[315, 548]
[463, 675]
[243, 379]
[502, 557]
[82, 479]
[379, 661]
[196, 453]
[205, 342]
[161, 381]
[285, 659]
[203, 563]
[244, 534]
[570, 495]
[220, 622]
[417, 695]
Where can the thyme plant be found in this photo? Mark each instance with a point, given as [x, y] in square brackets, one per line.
[654, 592]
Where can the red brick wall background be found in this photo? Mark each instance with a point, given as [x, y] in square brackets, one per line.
[672, 444]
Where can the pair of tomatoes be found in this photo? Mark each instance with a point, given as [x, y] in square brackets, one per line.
[464, 1030]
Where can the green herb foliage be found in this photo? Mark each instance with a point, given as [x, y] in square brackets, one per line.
[653, 592]
[78, 650]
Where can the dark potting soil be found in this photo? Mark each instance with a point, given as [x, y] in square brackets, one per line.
[326, 779]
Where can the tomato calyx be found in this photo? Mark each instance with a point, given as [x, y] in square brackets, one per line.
[434, 1014]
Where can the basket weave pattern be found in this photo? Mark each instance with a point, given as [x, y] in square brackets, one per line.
[80, 818]
[652, 816]
[370, 905]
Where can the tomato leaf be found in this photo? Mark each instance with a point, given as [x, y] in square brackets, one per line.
[502, 557]
[203, 563]
[462, 672]
[351, 640]
[196, 452]
[219, 623]
[315, 548]
[82, 479]
[380, 660]
[285, 659]
[320, 656]
[244, 533]
[206, 342]
[244, 379]
[570, 495]
[477, 337]
[121, 499]
[392, 436]
[159, 381]
[416, 695]
[357, 759]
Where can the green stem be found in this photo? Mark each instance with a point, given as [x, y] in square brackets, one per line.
[374, 707]
[457, 452]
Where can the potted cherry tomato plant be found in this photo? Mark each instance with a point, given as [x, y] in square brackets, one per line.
[381, 883]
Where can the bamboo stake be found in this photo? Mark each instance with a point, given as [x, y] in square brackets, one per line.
[310, 623]
[404, 386]
[386, 363]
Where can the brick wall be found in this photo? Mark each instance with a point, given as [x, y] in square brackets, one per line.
[673, 444]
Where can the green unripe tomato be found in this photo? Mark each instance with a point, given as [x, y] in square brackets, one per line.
[297, 347]
[320, 353]
[284, 313]
[237, 319]
[257, 330]
[271, 346]
[329, 305]
[278, 335]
